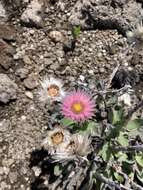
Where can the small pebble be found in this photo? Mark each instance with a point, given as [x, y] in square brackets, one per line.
[56, 36]
[29, 94]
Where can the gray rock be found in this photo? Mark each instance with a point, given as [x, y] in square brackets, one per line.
[22, 72]
[7, 32]
[3, 185]
[12, 5]
[31, 82]
[29, 94]
[103, 14]
[56, 36]
[32, 16]
[13, 177]
[55, 66]
[8, 89]
[27, 60]
[3, 15]
[6, 54]
[4, 125]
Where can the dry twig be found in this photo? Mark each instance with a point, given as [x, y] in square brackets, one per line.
[128, 148]
[110, 182]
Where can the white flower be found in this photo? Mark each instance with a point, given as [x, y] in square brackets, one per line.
[136, 34]
[52, 90]
[57, 140]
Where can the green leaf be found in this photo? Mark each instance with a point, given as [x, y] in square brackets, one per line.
[121, 156]
[89, 128]
[106, 153]
[134, 124]
[130, 162]
[76, 31]
[118, 177]
[116, 115]
[57, 170]
[122, 139]
[140, 176]
[67, 122]
[139, 159]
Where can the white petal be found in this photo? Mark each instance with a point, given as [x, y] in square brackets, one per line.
[46, 83]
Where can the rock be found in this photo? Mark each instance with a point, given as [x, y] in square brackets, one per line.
[6, 54]
[61, 5]
[6, 61]
[12, 6]
[56, 36]
[101, 70]
[95, 14]
[8, 89]
[36, 170]
[13, 177]
[27, 60]
[29, 94]
[4, 125]
[69, 46]
[3, 16]
[7, 32]
[55, 66]
[91, 72]
[31, 82]
[32, 16]
[3, 185]
[82, 78]
[22, 73]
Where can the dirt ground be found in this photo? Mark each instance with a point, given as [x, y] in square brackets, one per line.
[29, 51]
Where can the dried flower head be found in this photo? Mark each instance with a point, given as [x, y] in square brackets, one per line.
[52, 90]
[79, 147]
[56, 140]
[136, 34]
[81, 144]
[78, 106]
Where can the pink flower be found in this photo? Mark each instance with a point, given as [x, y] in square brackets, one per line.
[78, 106]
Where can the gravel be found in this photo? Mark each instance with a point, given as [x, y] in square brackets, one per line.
[32, 46]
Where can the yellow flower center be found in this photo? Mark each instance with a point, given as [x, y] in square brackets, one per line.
[77, 107]
[53, 90]
[57, 138]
